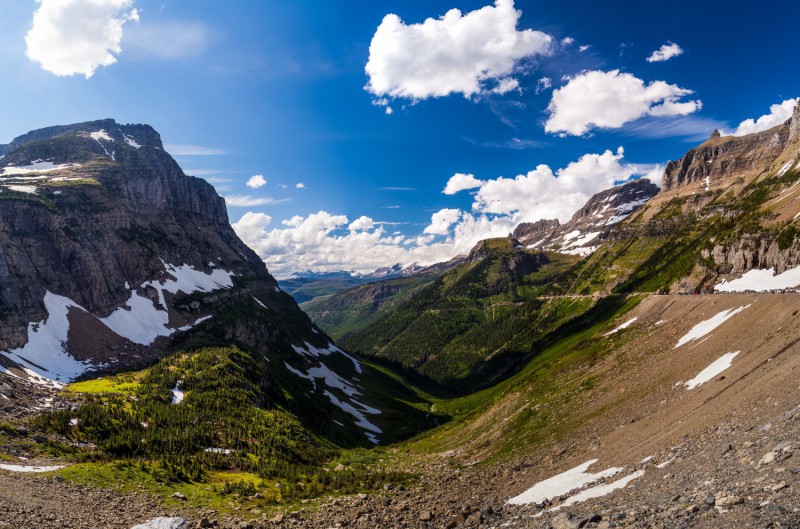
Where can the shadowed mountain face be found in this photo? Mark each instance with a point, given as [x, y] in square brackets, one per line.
[113, 258]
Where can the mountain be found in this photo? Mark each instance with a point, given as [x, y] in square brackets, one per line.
[467, 326]
[309, 285]
[353, 309]
[589, 225]
[113, 258]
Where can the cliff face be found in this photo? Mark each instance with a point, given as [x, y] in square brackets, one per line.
[723, 158]
[112, 258]
[103, 237]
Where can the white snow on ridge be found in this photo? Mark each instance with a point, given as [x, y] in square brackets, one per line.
[625, 210]
[44, 357]
[29, 469]
[705, 327]
[762, 281]
[623, 326]
[37, 166]
[315, 352]
[130, 141]
[141, 322]
[100, 135]
[563, 483]
[582, 240]
[31, 190]
[717, 366]
[358, 414]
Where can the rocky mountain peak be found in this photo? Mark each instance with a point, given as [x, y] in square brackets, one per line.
[714, 162]
[581, 234]
[794, 124]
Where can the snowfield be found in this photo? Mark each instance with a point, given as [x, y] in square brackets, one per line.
[762, 281]
[705, 327]
[717, 366]
[563, 483]
[44, 357]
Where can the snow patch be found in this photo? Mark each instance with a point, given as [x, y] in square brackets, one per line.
[37, 166]
[259, 302]
[623, 326]
[563, 483]
[29, 469]
[762, 281]
[358, 414]
[177, 394]
[100, 135]
[31, 190]
[705, 327]
[130, 141]
[601, 490]
[44, 357]
[717, 366]
[314, 352]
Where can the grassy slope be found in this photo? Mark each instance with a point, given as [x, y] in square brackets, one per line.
[477, 312]
[354, 309]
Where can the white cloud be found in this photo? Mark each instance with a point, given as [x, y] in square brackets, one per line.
[611, 99]
[543, 194]
[460, 182]
[168, 40]
[778, 114]
[584, 48]
[665, 52]
[567, 41]
[246, 201]
[256, 181]
[75, 37]
[300, 185]
[361, 223]
[320, 242]
[442, 220]
[543, 84]
[326, 242]
[192, 150]
[470, 53]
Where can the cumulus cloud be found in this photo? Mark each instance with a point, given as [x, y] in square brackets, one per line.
[326, 242]
[320, 242]
[584, 48]
[544, 194]
[459, 182]
[543, 84]
[611, 99]
[778, 114]
[75, 37]
[256, 181]
[665, 52]
[470, 54]
[442, 220]
[299, 185]
[361, 223]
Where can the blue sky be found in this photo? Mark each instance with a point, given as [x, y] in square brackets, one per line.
[283, 90]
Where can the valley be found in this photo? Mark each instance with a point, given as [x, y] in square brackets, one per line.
[635, 367]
